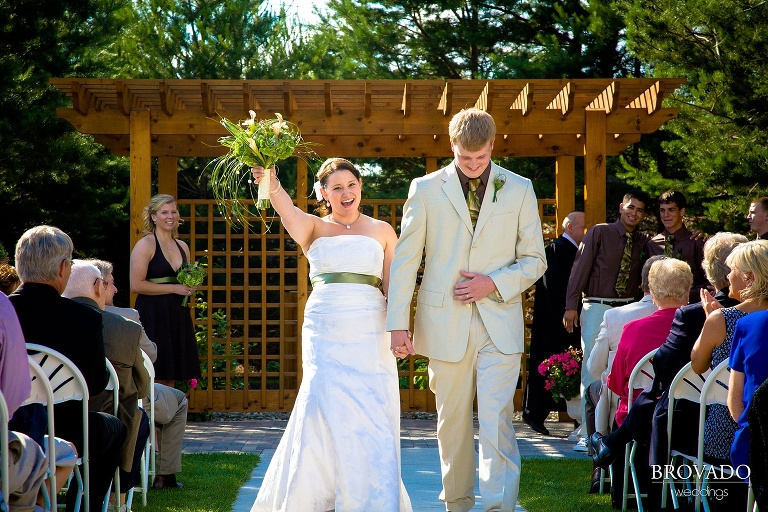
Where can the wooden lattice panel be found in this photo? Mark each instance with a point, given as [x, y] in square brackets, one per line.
[249, 317]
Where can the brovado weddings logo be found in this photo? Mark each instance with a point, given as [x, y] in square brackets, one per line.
[712, 474]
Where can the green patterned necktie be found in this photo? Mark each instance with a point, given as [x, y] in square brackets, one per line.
[473, 200]
[669, 243]
[626, 264]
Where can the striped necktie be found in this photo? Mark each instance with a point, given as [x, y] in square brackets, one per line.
[626, 263]
[669, 243]
[473, 201]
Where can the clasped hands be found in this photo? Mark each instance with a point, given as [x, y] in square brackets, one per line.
[476, 287]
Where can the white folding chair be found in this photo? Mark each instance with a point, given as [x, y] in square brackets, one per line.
[641, 377]
[114, 386]
[686, 385]
[148, 458]
[4, 486]
[714, 391]
[68, 383]
[41, 393]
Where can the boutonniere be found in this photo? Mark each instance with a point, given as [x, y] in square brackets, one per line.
[498, 184]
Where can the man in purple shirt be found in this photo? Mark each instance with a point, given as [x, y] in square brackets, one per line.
[677, 241]
[595, 273]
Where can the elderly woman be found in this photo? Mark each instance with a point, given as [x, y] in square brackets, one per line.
[669, 281]
[748, 263]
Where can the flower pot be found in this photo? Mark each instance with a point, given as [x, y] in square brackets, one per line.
[573, 407]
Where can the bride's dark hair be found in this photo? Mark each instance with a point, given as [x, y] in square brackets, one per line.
[329, 167]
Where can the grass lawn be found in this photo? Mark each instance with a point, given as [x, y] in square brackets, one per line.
[211, 483]
[559, 485]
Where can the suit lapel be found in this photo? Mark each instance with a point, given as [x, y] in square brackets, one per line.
[452, 189]
[486, 209]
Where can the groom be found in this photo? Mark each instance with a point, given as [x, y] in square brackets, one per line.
[478, 226]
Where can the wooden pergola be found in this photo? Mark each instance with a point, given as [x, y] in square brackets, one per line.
[562, 119]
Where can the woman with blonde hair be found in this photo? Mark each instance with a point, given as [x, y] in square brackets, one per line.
[748, 280]
[155, 261]
[749, 350]
[341, 447]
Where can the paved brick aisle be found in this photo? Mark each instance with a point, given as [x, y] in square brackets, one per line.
[420, 460]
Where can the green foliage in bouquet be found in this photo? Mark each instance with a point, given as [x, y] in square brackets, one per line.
[252, 143]
[191, 275]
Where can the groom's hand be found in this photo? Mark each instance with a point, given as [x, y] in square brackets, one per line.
[476, 287]
[401, 344]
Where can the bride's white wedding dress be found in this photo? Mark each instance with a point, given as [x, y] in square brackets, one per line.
[341, 447]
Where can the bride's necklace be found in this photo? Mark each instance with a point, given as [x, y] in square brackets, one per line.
[348, 226]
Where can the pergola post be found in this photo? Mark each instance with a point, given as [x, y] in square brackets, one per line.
[565, 188]
[594, 167]
[141, 171]
[167, 175]
[431, 164]
[302, 265]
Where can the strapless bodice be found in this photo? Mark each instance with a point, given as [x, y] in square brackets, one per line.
[358, 254]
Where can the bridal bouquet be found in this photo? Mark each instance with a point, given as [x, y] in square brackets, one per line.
[191, 275]
[252, 143]
[562, 373]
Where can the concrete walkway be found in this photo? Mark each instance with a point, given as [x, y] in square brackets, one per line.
[420, 460]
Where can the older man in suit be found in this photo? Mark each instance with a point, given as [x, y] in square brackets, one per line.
[548, 336]
[170, 403]
[44, 263]
[121, 346]
[478, 226]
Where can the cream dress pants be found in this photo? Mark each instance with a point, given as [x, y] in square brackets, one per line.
[493, 375]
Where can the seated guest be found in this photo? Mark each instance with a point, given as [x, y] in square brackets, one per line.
[44, 261]
[747, 277]
[121, 345]
[170, 403]
[757, 423]
[748, 362]
[601, 403]
[9, 279]
[27, 466]
[607, 341]
[669, 281]
[646, 421]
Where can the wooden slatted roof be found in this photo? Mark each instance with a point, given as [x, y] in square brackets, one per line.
[358, 118]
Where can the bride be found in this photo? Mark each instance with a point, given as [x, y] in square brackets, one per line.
[341, 447]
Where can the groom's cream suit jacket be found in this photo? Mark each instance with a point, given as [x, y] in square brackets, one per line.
[506, 245]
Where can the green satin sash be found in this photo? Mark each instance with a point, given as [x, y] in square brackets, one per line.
[164, 280]
[345, 277]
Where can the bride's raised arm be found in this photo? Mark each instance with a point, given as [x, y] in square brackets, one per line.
[300, 225]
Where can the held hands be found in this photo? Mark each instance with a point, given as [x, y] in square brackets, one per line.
[401, 344]
[478, 286]
[570, 319]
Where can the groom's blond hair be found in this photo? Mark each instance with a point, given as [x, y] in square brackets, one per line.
[472, 128]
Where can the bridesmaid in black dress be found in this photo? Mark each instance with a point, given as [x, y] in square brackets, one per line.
[155, 260]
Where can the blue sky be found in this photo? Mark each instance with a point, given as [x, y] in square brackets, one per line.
[303, 7]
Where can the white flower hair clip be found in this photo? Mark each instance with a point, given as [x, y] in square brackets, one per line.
[318, 194]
